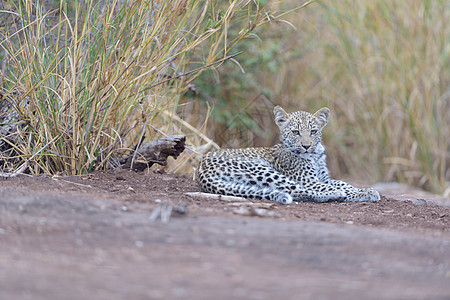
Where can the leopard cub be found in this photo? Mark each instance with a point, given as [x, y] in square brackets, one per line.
[293, 170]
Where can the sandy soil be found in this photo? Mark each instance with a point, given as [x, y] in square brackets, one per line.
[92, 237]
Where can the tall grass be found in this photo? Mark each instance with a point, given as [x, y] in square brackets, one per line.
[89, 78]
[383, 67]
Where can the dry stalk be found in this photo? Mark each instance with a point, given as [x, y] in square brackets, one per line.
[19, 171]
[216, 197]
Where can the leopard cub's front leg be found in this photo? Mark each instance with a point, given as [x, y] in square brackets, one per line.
[354, 194]
[317, 192]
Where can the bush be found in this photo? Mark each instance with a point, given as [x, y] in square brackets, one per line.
[88, 79]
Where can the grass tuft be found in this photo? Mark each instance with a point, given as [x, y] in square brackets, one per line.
[94, 76]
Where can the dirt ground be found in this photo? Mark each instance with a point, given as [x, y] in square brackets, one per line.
[93, 237]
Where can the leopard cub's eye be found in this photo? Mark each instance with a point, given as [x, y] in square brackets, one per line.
[296, 132]
[314, 131]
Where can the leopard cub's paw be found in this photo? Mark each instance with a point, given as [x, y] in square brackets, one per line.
[338, 195]
[284, 198]
[364, 195]
[371, 195]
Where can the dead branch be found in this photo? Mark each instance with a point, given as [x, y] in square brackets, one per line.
[156, 151]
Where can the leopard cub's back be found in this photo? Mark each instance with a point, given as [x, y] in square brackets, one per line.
[236, 165]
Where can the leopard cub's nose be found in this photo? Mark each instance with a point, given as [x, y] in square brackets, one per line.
[306, 147]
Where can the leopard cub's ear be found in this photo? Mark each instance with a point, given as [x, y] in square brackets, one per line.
[322, 116]
[280, 116]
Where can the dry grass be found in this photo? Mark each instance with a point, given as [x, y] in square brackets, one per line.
[383, 67]
[93, 77]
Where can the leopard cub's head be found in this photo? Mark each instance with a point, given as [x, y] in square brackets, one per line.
[300, 131]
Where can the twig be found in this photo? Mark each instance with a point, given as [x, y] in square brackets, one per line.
[75, 183]
[252, 204]
[164, 209]
[18, 171]
[166, 213]
[56, 137]
[25, 165]
[192, 128]
[139, 143]
[155, 214]
[216, 197]
[274, 18]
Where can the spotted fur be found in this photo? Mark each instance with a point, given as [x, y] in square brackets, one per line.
[293, 170]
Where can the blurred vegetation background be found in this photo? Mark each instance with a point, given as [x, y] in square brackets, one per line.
[382, 67]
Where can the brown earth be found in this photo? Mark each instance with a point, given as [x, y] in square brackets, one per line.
[91, 237]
